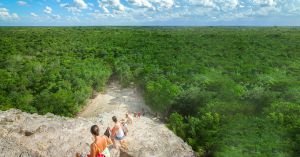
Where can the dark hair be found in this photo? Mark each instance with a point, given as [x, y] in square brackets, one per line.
[114, 118]
[95, 130]
[107, 132]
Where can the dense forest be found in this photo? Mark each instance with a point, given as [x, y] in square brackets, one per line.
[227, 91]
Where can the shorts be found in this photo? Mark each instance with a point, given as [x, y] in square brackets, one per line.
[119, 138]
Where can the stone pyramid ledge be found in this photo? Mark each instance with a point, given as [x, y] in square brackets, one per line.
[25, 135]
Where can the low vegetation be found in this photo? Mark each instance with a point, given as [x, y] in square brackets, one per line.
[225, 91]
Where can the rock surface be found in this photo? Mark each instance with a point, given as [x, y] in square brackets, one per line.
[31, 135]
[59, 136]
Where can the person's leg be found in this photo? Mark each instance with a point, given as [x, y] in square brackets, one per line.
[118, 141]
[123, 145]
[114, 142]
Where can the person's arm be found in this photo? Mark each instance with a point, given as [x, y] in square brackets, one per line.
[113, 132]
[93, 151]
[108, 140]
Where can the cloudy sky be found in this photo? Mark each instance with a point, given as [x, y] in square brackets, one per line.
[150, 12]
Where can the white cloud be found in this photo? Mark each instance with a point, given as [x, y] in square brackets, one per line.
[265, 2]
[91, 4]
[292, 8]
[178, 10]
[4, 12]
[233, 3]
[76, 7]
[81, 4]
[165, 3]
[54, 16]
[152, 4]
[70, 8]
[141, 3]
[105, 10]
[207, 3]
[22, 3]
[73, 9]
[265, 11]
[98, 15]
[33, 14]
[14, 16]
[267, 7]
[6, 15]
[73, 19]
[48, 10]
[115, 5]
[227, 5]
[101, 5]
[64, 5]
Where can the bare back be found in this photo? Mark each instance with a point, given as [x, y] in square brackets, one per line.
[99, 145]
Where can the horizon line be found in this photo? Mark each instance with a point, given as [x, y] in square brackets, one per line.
[149, 25]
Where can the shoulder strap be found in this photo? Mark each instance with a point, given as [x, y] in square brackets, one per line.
[97, 147]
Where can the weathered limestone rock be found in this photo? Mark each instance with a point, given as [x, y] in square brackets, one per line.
[31, 135]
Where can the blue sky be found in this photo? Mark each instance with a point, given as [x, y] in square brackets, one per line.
[150, 12]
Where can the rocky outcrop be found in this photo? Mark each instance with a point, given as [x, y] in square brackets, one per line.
[27, 135]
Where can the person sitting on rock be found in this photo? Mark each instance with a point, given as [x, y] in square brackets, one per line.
[107, 132]
[135, 114]
[100, 144]
[124, 126]
[129, 119]
[139, 114]
[117, 132]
